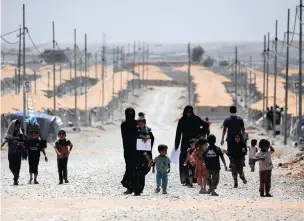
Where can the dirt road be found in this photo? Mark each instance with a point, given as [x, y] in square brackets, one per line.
[96, 167]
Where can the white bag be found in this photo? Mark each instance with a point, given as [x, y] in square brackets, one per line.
[174, 158]
[143, 146]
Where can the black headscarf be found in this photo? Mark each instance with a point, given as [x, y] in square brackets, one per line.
[130, 114]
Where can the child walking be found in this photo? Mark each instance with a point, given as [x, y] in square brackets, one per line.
[63, 148]
[266, 166]
[200, 168]
[211, 156]
[237, 159]
[191, 168]
[162, 163]
[34, 146]
[252, 151]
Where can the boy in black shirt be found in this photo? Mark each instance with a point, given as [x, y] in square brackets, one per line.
[211, 156]
[33, 147]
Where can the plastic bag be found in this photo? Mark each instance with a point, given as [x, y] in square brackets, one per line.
[174, 158]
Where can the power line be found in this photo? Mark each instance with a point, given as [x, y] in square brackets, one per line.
[10, 32]
[294, 25]
[32, 41]
[11, 43]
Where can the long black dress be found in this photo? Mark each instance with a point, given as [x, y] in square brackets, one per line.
[188, 128]
[129, 137]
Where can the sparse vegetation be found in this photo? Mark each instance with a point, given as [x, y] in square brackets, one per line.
[208, 62]
[197, 53]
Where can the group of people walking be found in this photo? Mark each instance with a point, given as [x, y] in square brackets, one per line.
[199, 159]
[29, 145]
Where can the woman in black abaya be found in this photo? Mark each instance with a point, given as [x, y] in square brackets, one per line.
[189, 126]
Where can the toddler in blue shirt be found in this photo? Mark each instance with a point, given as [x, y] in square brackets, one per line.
[162, 163]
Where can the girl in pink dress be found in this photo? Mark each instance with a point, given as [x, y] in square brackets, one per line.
[196, 159]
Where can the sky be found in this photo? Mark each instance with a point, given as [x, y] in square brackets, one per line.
[152, 21]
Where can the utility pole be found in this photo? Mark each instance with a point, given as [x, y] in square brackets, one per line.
[75, 73]
[35, 79]
[236, 76]
[121, 72]
[81, 77]
[250, 82]
[267, 70]
[147, 71]
[19, 61]
[246, 87]
[70, 70]
[86, 78]
[143, 64]
[139, 49]
[16, 76]
[300, 70]
[24, 88]
[54, 71]
[103, 75]
[113, 79]
[189, 73]
[286, 81]
[96, 75]
[134, 60]
[60, 72]
[264, 78]
[48, 81]
[275, 80]
[128, 69]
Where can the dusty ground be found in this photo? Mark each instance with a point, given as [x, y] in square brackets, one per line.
[96, 167]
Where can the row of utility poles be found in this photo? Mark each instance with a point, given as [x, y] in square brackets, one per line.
[121, 61]
[266, 64]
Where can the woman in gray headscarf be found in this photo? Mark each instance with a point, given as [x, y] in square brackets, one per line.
[15, 138]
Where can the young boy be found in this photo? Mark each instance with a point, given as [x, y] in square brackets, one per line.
[252, 151]
[211, 156]
[191, 168]
[33, 146]
[62, 146]
[266, 166]
[162, 163]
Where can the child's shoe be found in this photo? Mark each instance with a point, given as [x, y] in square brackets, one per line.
[60, 182]
[66, 181]
[157, 190]
[16, 183]
[164, 191]
[190, 185]
[244, 181]
[36, 182]
[268, 195]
